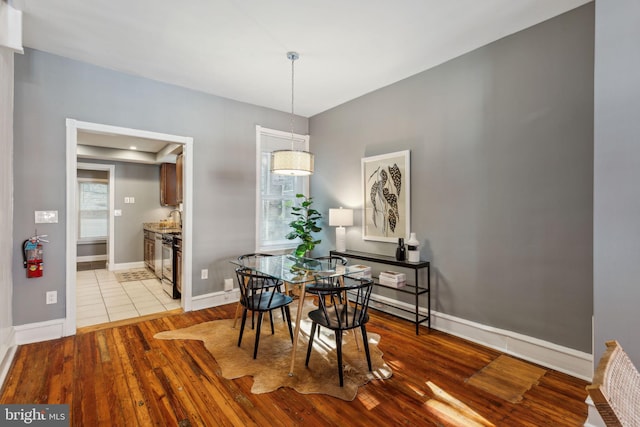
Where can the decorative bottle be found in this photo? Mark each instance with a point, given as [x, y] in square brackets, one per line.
[400, 250]
[413, 250]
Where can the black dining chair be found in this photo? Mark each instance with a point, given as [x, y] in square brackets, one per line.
[259, 281]
[260, 300]
[332, 262]
[340, 313]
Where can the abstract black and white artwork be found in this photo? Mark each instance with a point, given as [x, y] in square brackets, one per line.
[386, 197]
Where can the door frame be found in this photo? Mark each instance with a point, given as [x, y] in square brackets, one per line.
[75, 126]
[111, 169]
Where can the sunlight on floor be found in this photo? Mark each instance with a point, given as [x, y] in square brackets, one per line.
[367, 399]
[452, 411]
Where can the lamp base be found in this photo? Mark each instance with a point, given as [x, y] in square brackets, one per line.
[341, 239]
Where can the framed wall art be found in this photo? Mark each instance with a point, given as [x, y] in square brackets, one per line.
[386, 213]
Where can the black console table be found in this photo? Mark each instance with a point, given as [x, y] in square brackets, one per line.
[413, 289]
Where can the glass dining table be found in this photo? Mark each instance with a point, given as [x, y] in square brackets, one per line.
[297, 272]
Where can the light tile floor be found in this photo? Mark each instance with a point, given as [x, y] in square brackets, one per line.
[100, 298]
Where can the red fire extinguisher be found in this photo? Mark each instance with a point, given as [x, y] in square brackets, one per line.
[32, 251]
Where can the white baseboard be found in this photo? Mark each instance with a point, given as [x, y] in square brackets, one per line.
[89, 258]
[126, 266]
[6, 358]
[39, 331]
[550, 355]
[215, 299]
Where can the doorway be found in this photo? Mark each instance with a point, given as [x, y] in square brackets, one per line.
[109, 170]
[74, 128]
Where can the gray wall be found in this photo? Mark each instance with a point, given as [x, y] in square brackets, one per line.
[49, 89]
[617, 174]
[501, 144]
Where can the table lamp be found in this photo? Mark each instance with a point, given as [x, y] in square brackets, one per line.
[341, 218]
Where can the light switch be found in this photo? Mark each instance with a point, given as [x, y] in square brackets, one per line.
[127, 200]
[132, 199]
[46, 217]
[117, 212]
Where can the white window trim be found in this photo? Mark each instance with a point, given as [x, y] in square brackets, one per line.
[299, 139]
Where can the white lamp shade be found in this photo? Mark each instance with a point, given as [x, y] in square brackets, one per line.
[291, 162]
[340, 217]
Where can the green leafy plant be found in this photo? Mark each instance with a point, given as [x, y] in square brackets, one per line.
[306, 222]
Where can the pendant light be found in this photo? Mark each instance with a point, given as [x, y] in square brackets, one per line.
[292, 162]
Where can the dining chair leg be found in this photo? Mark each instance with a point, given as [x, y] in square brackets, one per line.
[255, 347]
[311, 335]
[365, 342]
[271, 321]
[244, 320]
[339, 351]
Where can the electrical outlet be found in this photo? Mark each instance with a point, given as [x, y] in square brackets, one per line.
[204, 274]
[52, 297]
[228, 284]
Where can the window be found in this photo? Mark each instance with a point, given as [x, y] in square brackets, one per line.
[93, 209]
[276, 194]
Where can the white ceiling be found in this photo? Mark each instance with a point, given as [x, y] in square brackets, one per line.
[237, 48]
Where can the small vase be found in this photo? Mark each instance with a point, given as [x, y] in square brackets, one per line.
[400, 250]
[413, 250]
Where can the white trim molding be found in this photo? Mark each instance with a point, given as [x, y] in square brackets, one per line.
[10, 27]
[39, 331]
[563, 359]
[126, 265]
[73, 128]
[215, 299]
[7, 355]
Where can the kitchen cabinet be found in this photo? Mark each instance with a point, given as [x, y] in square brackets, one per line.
[179, 183]
[168, 184]
[149, 249]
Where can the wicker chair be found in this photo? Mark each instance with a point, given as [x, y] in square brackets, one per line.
[616, 388]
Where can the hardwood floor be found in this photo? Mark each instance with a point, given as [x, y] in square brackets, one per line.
[122, 376]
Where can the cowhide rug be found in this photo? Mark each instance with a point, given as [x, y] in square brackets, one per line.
[270, 369]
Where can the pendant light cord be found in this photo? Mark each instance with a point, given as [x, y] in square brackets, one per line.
[292, 92]
[292, 56]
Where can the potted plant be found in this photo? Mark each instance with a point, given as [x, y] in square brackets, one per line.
[306, 222]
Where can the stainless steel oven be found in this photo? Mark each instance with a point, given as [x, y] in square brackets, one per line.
[167, 266]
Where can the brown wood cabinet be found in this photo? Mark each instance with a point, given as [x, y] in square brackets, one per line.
[179, 186]
[168, 184]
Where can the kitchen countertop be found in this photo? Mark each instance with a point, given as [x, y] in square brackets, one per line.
[157, 227]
